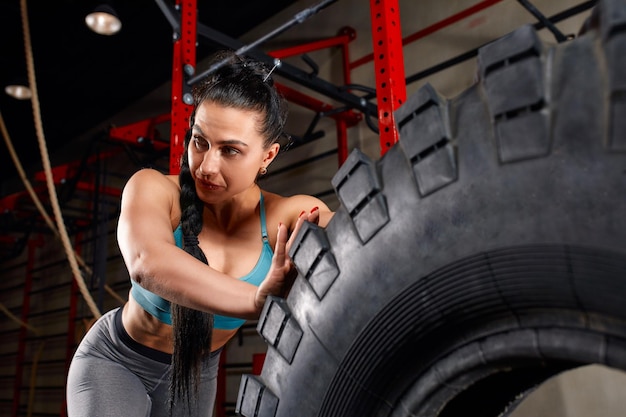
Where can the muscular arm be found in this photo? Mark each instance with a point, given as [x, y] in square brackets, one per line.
[154, 261]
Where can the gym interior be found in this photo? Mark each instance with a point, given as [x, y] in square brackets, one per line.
[473, 151]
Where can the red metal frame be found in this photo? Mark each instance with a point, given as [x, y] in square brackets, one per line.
[343, 38]
[258, 359]
[61, 173]
[136, 133]
[184, 54]
[343, 120]
[10, 202]
[389, 68]
[342, 141]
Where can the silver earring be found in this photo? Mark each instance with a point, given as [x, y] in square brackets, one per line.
[263, 171]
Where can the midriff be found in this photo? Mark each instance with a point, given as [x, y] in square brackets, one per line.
[146, 329]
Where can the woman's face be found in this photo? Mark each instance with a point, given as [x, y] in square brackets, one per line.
[226, 151]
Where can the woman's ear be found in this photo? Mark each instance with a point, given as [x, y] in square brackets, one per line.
[270, 154]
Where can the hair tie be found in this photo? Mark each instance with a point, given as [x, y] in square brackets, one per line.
[190, 240]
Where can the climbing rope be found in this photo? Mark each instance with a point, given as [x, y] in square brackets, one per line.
[10, 315]
[45, 158]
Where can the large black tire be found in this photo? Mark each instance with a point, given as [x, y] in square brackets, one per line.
[483, 254]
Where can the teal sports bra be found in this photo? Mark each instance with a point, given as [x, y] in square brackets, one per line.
[160, 307]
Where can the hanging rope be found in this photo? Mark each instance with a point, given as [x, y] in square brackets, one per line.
[10, 315]
[30, 65]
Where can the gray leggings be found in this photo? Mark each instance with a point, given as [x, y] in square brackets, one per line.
[112, 375]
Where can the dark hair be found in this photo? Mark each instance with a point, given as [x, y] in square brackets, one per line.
[247, 84]
[241, 83]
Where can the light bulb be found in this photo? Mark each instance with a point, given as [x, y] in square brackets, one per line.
[103, 20]
[20, 92]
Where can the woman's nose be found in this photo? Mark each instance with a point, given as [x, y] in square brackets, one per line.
[210, 162]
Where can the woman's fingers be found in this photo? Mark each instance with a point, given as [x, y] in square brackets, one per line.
[280, 249]
[282, 273]
[314, 215]
[311, 216]
[301, 219]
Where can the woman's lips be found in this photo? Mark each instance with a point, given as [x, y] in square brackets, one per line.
[208, 185]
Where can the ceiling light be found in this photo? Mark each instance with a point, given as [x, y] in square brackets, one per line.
[103, 20]
[18, 91]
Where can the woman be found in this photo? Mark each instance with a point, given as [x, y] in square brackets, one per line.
[158, 354]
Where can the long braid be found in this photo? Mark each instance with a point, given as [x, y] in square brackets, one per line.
[192, 329]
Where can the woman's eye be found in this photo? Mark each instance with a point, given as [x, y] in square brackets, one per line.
[200, 143]
[230, 151]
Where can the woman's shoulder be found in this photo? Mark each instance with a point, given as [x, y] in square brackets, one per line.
[295, 202]
[149, 177]
[288, 208]
[150, 192]
[150, 185]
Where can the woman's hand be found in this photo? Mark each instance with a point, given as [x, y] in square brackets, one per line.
[282, 273]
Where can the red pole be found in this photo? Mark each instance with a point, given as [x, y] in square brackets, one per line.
[389, 68]
[342, 141]
[258, 359]
[342, 129]
[184, 56]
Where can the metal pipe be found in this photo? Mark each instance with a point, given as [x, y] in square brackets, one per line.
[298, 18]
[292, 73]
[543, 19]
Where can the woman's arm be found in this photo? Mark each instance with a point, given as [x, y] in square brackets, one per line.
[154, 261]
